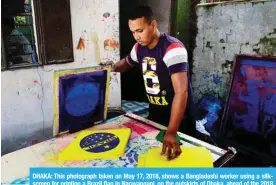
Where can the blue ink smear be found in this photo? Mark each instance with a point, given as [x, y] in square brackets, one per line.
[259, 84]
[78, 101]
[212, 106]
[242, 71]
[261, 63]
[206, 75]
[216, 79]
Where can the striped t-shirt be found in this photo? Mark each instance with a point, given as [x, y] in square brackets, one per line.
[167, 57]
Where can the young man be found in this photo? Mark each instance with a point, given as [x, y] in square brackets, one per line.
[163, 62]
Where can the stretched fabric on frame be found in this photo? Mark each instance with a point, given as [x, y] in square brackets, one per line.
[250, 113]
[80, 97]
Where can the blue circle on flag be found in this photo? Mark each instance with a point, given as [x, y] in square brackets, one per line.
[82, 99]
[99, 142]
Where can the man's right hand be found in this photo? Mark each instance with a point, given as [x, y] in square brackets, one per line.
[120, 66]
[107, 63]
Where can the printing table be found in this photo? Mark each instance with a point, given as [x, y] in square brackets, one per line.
[16, 165]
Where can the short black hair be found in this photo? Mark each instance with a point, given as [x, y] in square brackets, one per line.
[141, 11]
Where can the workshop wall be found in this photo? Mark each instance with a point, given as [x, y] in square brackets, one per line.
[223, 31]
[27, 94]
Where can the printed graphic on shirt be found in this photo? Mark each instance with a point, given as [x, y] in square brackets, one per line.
[153, 88]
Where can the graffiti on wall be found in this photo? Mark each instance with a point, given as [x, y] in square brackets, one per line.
[95, 41]
[96, 37]
[91, 42]
[111, 42]
[211, 83]
[82, 41]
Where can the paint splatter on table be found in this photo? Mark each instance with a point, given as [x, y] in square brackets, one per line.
[45, 154]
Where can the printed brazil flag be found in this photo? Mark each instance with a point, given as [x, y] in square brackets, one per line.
[100, 144]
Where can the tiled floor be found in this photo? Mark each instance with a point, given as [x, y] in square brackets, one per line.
[139, 108]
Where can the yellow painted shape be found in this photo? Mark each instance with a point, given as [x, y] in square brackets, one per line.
[141, 161]
[191, 157]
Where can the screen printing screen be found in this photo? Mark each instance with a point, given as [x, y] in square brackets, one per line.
[250, 116]
[81, 98]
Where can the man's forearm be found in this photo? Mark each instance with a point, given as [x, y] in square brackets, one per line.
[177, 112]
[121, 66]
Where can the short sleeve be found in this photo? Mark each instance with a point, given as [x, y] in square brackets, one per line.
[176, 58]
[132, 58]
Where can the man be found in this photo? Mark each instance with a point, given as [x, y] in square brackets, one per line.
[163, 62]
[18, 47]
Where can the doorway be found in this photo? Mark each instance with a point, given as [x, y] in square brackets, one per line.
[132, 83]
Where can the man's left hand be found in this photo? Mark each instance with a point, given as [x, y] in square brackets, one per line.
[171, 146]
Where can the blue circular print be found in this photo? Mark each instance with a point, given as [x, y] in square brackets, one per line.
[99, 142]
[82, 99]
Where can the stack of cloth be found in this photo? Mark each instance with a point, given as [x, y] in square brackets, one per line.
[191, 157]
[98, 144]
